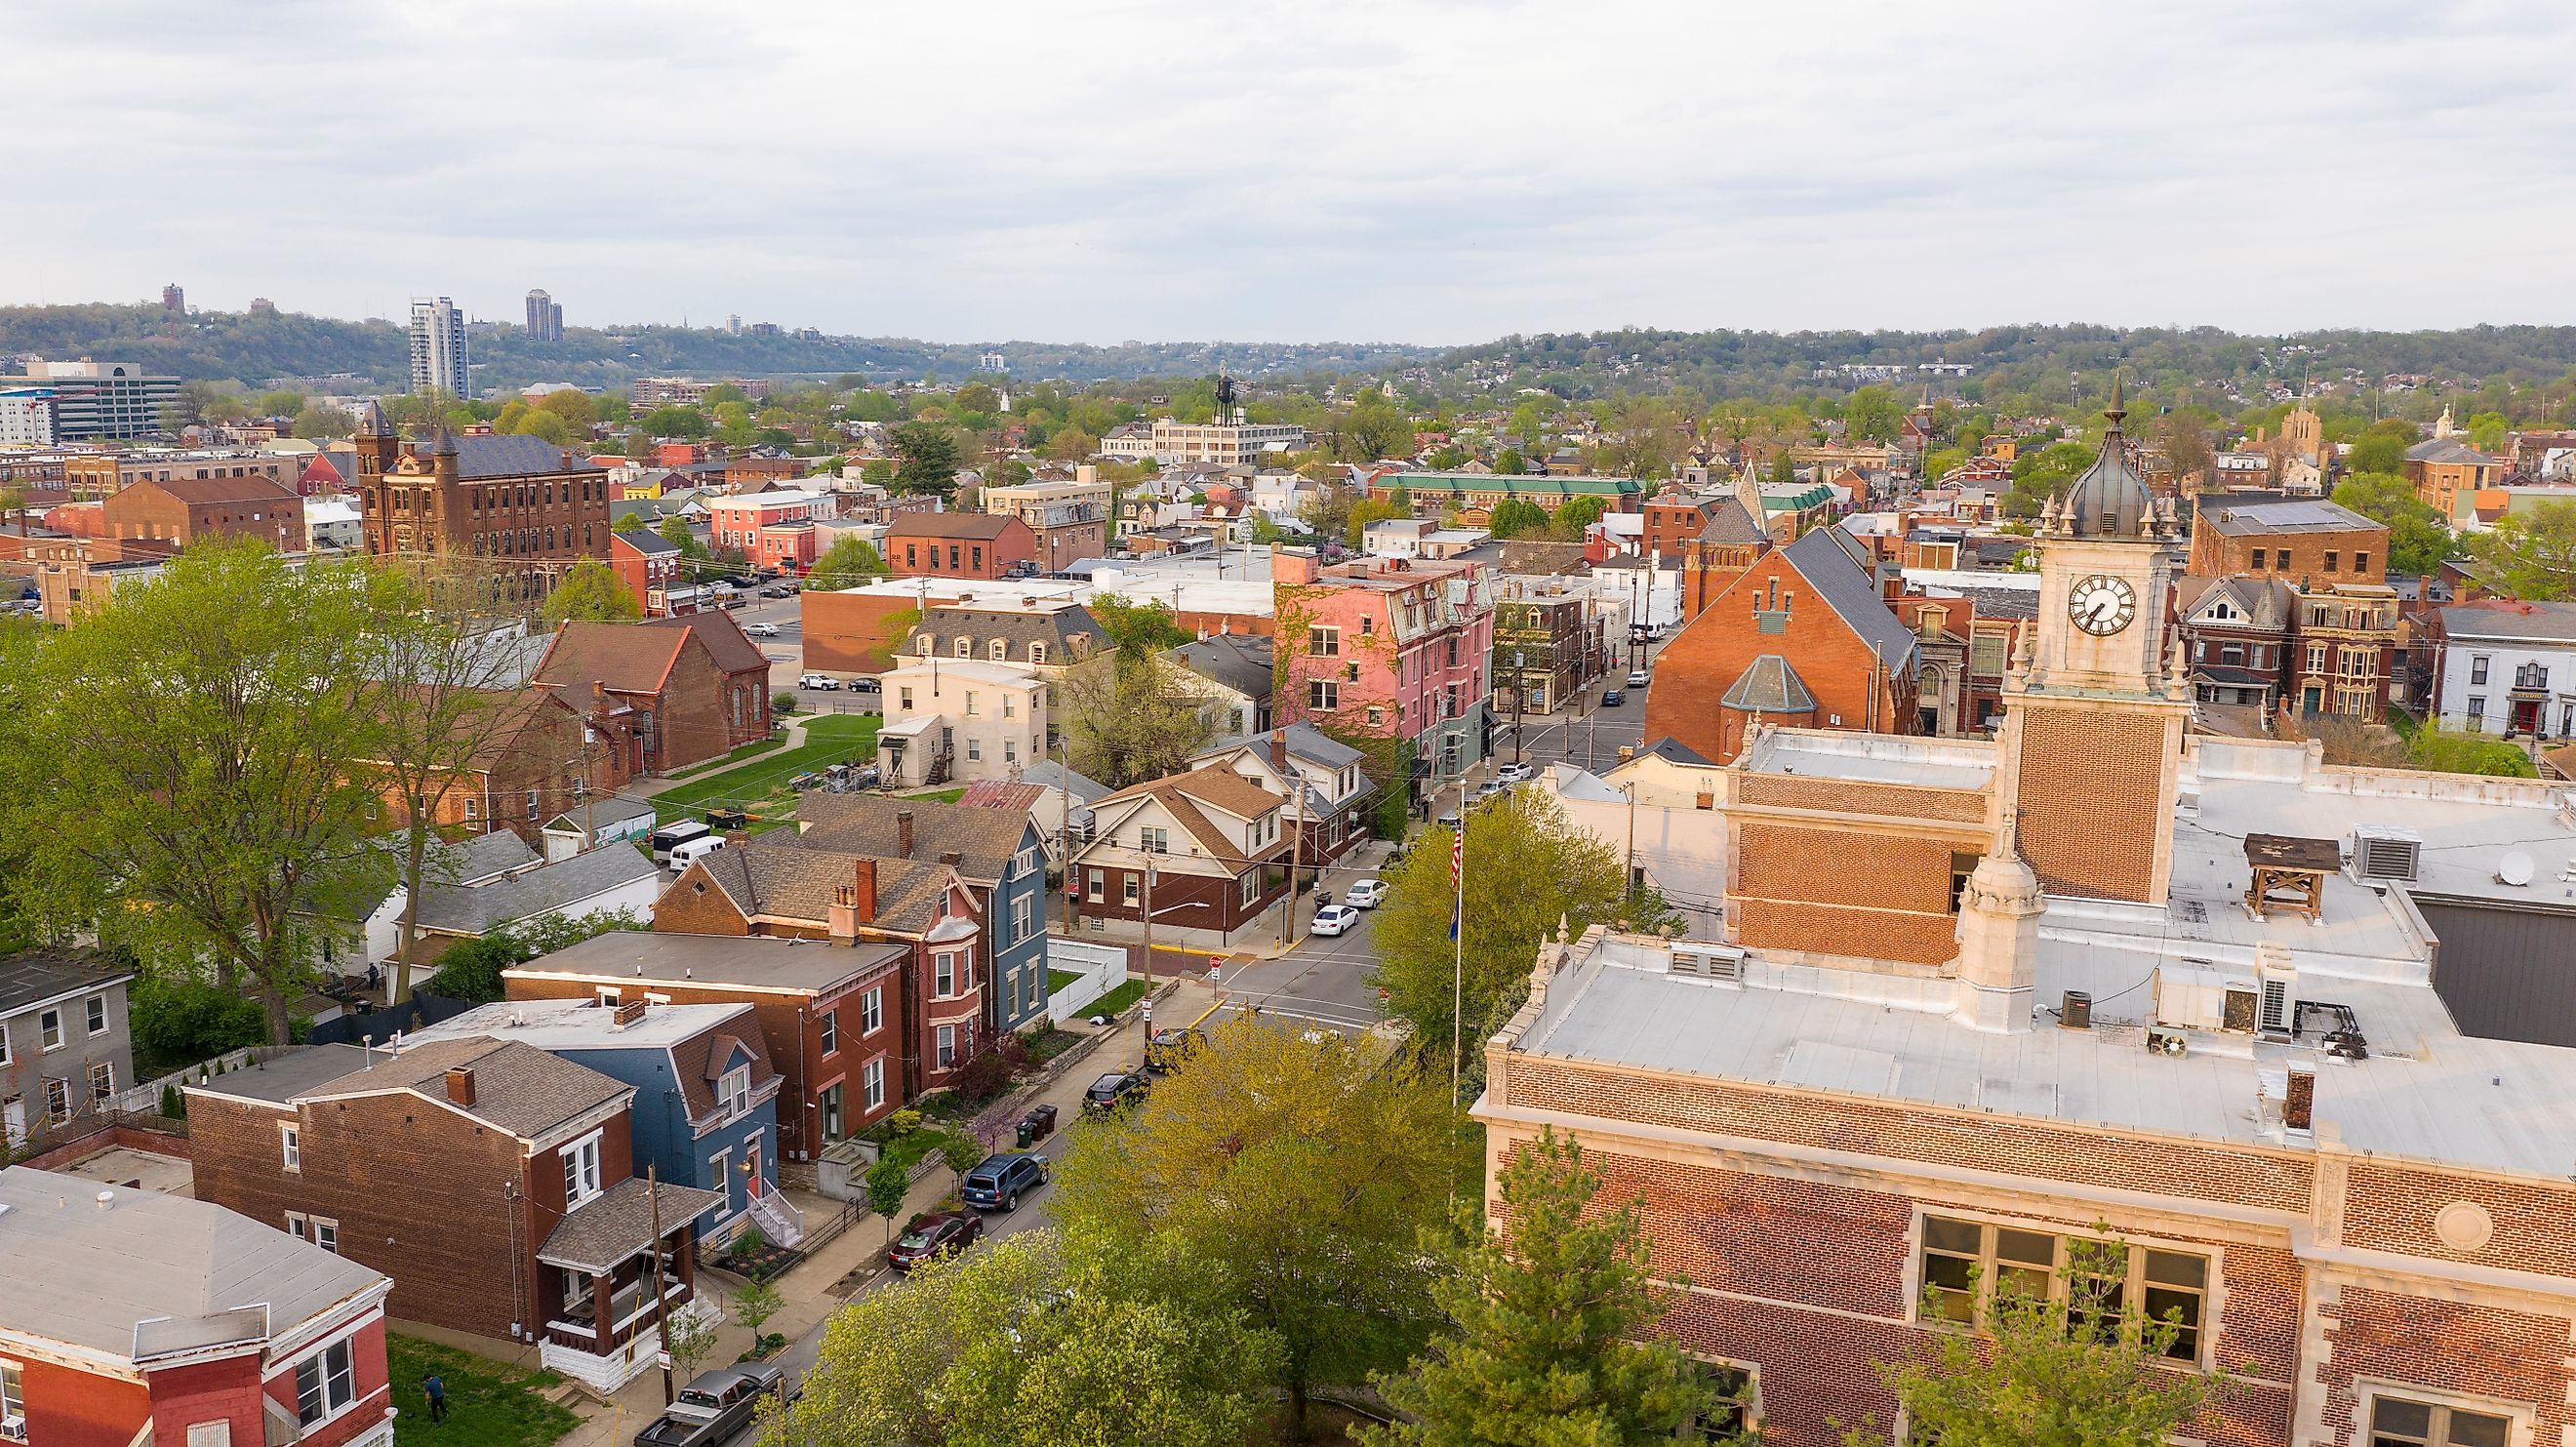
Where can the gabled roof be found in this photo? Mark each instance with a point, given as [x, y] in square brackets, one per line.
[1241, 662]
[1673, 750]
[33, 975]
[1841, 585]
[2445, 450]
[2259, 603]
[1188, 797]
[1052, 775]
[985, 837]
[1769, 685]
[623, 657]
[789, 881]
[602, 809]
[1006, 794]
[1304, 741]
[1728, 522]
[517, 1088]
[732, 649]
[203, 491]
[643, 540]
[129, 1273]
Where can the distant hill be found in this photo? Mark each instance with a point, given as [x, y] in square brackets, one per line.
[255, 348]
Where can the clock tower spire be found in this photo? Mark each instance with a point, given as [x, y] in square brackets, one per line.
[2095, 702]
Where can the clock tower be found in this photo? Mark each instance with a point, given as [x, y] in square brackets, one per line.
[2095, 701]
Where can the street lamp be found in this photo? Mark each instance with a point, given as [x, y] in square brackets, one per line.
[1520, 698]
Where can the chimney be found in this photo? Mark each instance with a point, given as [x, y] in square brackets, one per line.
[1279, 750]
[2299, 1106]
[842, 924]
[902, 835]
[863, 891]
[951, 858]
[460, 1084]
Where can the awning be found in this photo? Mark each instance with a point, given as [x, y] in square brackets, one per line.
[617, 1226]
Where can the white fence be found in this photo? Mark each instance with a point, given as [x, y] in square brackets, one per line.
[1101, 968]
[145, 1099]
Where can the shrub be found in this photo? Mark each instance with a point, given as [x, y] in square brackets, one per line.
[904, 1122]
[181, 1020]
[173, 1104]
[783, 703]
[985, 1076]
[964, 1153]
[471, 970]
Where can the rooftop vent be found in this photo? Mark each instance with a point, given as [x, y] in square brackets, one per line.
[1707, 964]
[2383, 854]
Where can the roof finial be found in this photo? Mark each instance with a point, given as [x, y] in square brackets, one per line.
[2118, 410]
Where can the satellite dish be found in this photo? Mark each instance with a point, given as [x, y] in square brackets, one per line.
[2515, 869]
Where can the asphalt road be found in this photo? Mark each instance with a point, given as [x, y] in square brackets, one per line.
[1322, 979]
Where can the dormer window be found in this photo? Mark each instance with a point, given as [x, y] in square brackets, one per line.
[1037, 653]
[965, 647]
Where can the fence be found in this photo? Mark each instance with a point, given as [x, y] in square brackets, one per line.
[146, 1097]
[379, 1025]
[1101, 968]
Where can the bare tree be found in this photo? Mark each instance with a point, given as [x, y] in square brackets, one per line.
[1128, 718]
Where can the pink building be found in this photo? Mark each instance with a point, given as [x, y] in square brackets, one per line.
[1387, 648]
[787, 547]
[736, 522]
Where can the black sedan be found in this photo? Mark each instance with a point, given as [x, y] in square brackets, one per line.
[1116, 1089]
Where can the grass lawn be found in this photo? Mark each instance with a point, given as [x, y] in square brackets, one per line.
[1059, 981]
[830, 739]
[1116, 1000]
[906, 1151]
[488, 1404]
[751, 750]
[942, 796]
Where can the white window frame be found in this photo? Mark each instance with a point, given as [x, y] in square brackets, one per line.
[1750, 1401]
[943, 975]
[945, 1049]
[582, 1170]
[345, 1377]
[831, 1020]
[326, 1233]
[733, 1091]
[49, 1029]
[95, 1013]
[872, 1083]
[13, 1400]
[290, 1147]
[4, 1042]
[102, 1081]
[872, 1012]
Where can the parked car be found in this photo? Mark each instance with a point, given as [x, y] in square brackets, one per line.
[1637, 678]
[865, 685]
[820, 683]
[760, 630]
[934, 1235]
[723, 818]
[1335, 919]
[776, 590]
[712, 1407]
[1000, 1181]
[1366, 893]
[1612, 698]
[1510, 774]
[1116, 1089]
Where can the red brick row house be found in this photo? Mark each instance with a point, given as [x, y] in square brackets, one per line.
[680, 690]
[1200, 855]
[959, 545]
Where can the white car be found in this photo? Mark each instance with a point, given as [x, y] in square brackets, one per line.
[1365, 893]
[1515, 774]
[1637, 678]
[761, 630]
[818, 682]
[1334, 919]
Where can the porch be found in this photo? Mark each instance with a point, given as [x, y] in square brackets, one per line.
[604, 1301]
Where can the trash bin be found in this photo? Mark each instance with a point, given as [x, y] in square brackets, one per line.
[1026, 1136]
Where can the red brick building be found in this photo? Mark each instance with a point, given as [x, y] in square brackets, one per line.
[527, 510]
[649, 565]
[1802, 637]
[540, 756]
[184, 510]
[1204, 853]
[130, 1316]
[492, 1181]
[959, 545]
[684, 690]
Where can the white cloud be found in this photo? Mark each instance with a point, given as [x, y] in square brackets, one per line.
[1355, 169]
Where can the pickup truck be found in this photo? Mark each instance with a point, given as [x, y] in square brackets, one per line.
[712, 1408]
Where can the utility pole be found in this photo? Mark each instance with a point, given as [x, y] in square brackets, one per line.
[661, 1305]
[1520, 699]
[1149, 935]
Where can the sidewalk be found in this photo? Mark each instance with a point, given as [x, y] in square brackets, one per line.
[852, 1263]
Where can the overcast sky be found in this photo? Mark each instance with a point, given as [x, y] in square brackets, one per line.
[1305, 171]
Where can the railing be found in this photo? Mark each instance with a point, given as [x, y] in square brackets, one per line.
[629, 1306]
[785, 1222]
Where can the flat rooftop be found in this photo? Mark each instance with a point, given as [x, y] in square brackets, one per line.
[582, 1024]
[1875, 758]
[809, 966]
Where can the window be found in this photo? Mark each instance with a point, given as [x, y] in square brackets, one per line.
[2477, 712]
[872, 1084]
[2361, 562]
[1131, 881]
[831, 1101]
[965, 647]
[1368, 625]
[581, 1170]
[13, 1401]
[831, 1032]
[2478, 669]
[1153, 839]
[1324, 642]
[943, 975]
[1251, 886]
[1966, 1262]
[996, 649]
[1323, 694]
[2396, 1422]
[326, 1234]
[906, 700]
[98, 1014]
[947, 1047]
[325, 1384]
[49, 1029]
[102, 1079]
[532, 803]
[973, 706]
[974, 748]
[1732, 1406]
[290, 1147]
[58, 1101]
[1021, 911]
[2231, 653]
[733, 1090]
[473, 807]
[2281, 562]
[1038, 653]
[872, 1011]
[1376, 716]
[2316, 658]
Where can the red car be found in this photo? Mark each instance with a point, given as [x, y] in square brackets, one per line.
[934, 1235]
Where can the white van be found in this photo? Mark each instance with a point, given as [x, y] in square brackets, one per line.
[673, 836]
[683, 855]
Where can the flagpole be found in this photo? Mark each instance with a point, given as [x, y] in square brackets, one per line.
[1458, 942]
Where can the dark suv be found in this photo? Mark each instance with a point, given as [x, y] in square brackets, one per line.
[1114, 1090]
[998, 1184]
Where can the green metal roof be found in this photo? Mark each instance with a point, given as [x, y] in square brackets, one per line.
[1529, 484]
[1796, 499]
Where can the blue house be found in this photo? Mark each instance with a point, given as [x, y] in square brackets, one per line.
[706, 1095]
[994, 844]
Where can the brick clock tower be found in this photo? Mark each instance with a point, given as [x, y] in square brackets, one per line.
[2095, 701]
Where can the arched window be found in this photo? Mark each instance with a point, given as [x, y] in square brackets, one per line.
[999, 650]
[1037, 653]
[965, 647]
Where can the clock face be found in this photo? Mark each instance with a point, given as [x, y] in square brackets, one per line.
[2101, 606]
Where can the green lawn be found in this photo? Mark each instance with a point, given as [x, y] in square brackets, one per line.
[488, 1404]
[1058, 981]
[751, 750]
[943, 796]
[830, 739]
[1116, 1000]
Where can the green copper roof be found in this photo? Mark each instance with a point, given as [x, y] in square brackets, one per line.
[1526, 485]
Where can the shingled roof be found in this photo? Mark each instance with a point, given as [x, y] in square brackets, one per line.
[788, 881]
[871, 824]
[517, 1088]
[623, 657]
[732, 649]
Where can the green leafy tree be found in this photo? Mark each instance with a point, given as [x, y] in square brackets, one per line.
[2530, 555]
[1136, 719]
[2062, 1368]
[1514, 516]
[318, 421]
[1784, 469]
[849, 562]
[200, 735]
[1550, 1334]
[1328, 513]
[1009, 1346]
[1872, 415]
[1355, 524]
[2418, 539]
[675, 531]
[1448, 457]
[1572, 517]
[590, 592]
[1139, 630]
[2486, 431]
[976, 397]
[1510, 463]
[754, 1303]
[1286, 1180]
[1527, 869]
[1375, 430]
[2382, 448]
[929, 456]
[2042, 473]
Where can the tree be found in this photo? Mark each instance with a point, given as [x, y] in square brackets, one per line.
[1374, 431]
[199, 736]
[1549, 1335]
[1355, 524]
[675, 531]
[319, 421]
[693, 1342]
[1071, 444]
[675, 422]
[1872, 415]
[1510, 463]
[929, 458]
[1448, 457]
[754, 1304]
[578, 409]
[1527, 869]
[1010, 1346]
[1784, 469]
[2441, 752]
[887, 1185]
[975, 397]
[1328, 513]
[2486, 431]
[2530, 555]
[2042, 473]
[1574, 517]
[1138, 629]
[2383, 447]
[590, 592]
[1286, 1178]
[1514, 516]
[2419, 541]
[848, 563]
[1136, 718]
[2067, 1367]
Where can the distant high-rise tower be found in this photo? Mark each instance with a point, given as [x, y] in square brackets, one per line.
[438, 347]
[174, 298]
[545, 317]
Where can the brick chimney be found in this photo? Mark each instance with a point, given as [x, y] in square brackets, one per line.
[863, 891]
[842, 920]
[460, 1085]
[1279, 751]
[2299, 1105]
[902, 835]
[952, 858]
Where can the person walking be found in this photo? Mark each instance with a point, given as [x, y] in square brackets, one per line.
[436, 1391]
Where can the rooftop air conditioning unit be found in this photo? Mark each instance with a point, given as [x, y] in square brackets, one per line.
[2275, 981]
[2384, 854]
